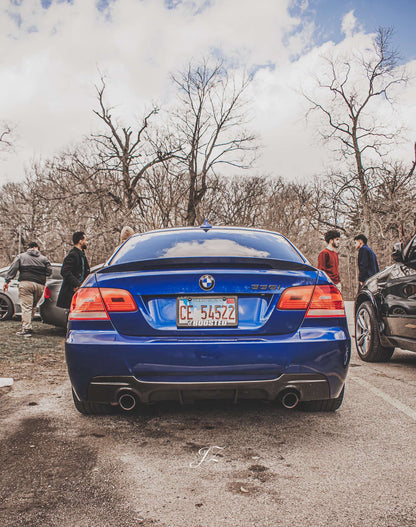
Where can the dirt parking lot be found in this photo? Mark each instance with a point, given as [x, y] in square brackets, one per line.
[205, 465]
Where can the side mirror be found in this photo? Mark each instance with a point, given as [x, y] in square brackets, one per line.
[397, 254]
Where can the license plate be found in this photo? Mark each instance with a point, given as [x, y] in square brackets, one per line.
[206, 311]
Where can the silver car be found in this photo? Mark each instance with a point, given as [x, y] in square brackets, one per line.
[9, 300]
[49, 311]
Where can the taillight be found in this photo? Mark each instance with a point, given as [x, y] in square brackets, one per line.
[320, 300]
[47, 293]
[118, 300]
[91, 303]
[326, 302]
[296, 297]
[87, 304]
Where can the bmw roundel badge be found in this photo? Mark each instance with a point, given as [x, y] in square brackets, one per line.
[206, 282]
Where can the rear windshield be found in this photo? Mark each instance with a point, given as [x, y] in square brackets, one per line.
[199, 243]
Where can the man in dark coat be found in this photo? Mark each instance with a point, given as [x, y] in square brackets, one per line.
[367, 260]
[74, 270]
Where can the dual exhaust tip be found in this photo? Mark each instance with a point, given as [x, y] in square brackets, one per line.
[289, 398]
[128, 400]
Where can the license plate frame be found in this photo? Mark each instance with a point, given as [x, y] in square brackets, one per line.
[227, 318]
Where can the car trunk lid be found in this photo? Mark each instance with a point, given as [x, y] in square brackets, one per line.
[255, 293]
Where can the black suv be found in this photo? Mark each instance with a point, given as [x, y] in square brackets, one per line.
[385, 308]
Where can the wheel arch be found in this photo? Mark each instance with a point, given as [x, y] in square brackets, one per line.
[367, 296]
[4, 294]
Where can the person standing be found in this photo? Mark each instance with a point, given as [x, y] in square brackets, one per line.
[367, 260]
[33, 268]
[75, 269]
[328, 257]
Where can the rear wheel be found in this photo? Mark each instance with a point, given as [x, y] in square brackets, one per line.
[87, 408]
[6, 308]
[367, 336]
[324, 405]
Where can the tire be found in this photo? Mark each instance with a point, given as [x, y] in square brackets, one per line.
[367, 336]
[6, 308]
[86, 408]
[324, 405]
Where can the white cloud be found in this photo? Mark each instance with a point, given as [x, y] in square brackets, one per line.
[52, 59]
[51, 62]
[349, 24]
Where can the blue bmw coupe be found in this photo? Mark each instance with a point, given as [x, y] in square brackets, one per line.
[207, 312]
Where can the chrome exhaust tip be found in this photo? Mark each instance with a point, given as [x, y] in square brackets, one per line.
[127, 401]
[289, 399]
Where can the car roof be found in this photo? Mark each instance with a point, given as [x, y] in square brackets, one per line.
[205, 227]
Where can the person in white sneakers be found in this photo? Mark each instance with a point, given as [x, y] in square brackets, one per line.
[33, 268]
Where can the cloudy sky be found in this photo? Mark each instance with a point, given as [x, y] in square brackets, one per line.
[53, 52]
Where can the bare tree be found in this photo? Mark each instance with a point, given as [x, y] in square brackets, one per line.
[130, 152]
[7, 136]
[237, 200]
[355, 84]
[393, 204]
[211, 122]
[166, 190]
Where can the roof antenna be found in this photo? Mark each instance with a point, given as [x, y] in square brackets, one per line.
[206, 226]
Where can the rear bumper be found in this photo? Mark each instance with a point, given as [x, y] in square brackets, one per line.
[313, 361]
[108, 389]
[52, 314]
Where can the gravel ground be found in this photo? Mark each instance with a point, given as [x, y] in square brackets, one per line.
[44, 348]
[266, 467]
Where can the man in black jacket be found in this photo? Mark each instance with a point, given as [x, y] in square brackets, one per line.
[33, 269]
[367, 260]
[74, 270]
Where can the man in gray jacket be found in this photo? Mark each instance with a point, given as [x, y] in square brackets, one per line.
[33, 270]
